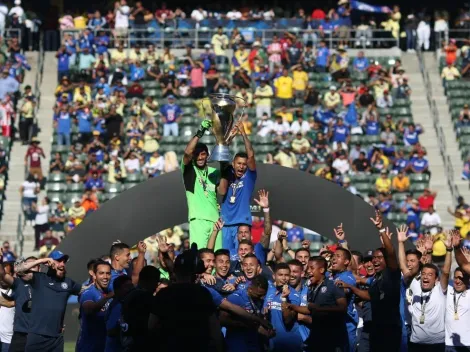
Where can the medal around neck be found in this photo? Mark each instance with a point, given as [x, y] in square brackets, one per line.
[223, 107]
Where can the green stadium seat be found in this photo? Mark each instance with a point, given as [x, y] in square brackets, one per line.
[76, 187]
[56, 187]
[397, 217]
[130, 185]
[56, 197]
[56, 177]
[399, 197]
[418, 187]
[113, 188]
[419, 178]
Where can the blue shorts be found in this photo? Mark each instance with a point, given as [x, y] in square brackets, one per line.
[229, 237]
[41, 343]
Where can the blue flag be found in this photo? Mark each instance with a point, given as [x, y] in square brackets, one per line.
[362, 6]
[23, 61]
[351, 116]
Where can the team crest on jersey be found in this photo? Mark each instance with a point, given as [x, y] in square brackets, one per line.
[323, 289]
[64, 285]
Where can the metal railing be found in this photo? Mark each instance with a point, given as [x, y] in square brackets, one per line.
[11, 33]
[19, 236]
[198, 37]
[460, 35]
[448, 168]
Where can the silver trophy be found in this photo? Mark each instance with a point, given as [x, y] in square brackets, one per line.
[223, 107]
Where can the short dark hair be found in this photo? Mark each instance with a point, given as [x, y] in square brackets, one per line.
[203, 251]
[464, 274]
[346, 253]
[241, 155]
[414, 252]
[296, 263]
[260, 281]
[31, 257]
[358, 254]
[251, 255]
[319, 260]
[281, 266]
[117, 248]
[433, 267]
[248, 242]
[120, 281]
[91, 263]
[222, 251]
[149, 273]
[298, 250]
[98, 263]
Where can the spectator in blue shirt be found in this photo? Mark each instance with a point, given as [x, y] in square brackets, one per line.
[84, 120]
[372, 126]
[360, 63]
[323, 54]
[137, 72]
[63, 62]
[97, 22]
[8, 254]
[207, 57]
[102, 43]
[327, 27]
[94, 183]
[401, 163]
[385, 205]
[63, 123]
[8, 84]
[71, 47]
[410, 134]
[171, 116]
[340, 132]
[419, 165]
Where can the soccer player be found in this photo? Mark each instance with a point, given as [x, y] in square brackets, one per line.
[120, 255]
[201, 183]
[93, 305]
[236, 186]
[284, 320]
[339, 265]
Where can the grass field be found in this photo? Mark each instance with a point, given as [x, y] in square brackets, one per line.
[69, 347]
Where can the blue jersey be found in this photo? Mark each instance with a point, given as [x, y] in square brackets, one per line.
[285, 340]
[259, 250]
[236, 204]
[348, 277]
[303, 328]
[170, 112]
[216, 296]
[115, 274]
[112, 321]
[240, 339]
[92, 327]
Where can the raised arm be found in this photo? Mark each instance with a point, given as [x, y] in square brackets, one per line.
[263, 202]
[362, 294]
[402, 237]
[139, 263]
[460, 256]
[167, 255]
[248, 147]
[215, 231]
[445, 272]
[189, 150]
[90, 307]
[391, 257]
[341, 236]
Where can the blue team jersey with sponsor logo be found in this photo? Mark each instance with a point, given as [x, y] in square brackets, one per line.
[238, 211]
[348, 277]
[287, 338]
[92, 327]
[303, 328]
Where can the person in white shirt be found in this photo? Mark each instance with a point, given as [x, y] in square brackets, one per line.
[234, 15]
[17, 10]
[41, 224]
[198, 14]
[428, 305]
[265, 126]
[341, 164]
[280, 127]
[3, 17]
[121, 13]
[132, 164]
[431, 219]
[424, 33]
[300, 125]
[155, 165]
[7, 316]
[457, 320]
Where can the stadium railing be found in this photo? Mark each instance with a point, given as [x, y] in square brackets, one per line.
[460, 35]
[448, 168]
[198, 37]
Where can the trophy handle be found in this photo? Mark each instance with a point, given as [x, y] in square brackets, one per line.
[229, 135]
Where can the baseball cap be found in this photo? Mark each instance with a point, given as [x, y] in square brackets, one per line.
[367, 257]
[58, 255]
[171, 96]
[332, 88]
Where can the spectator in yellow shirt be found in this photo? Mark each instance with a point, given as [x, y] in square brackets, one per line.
[332, 99]
[401, 183]
[299, 143]
[300, 80]
[263, 95]
[383, 183]
[241, 59]
[119, 56]
[284, 88]
[285, 157]
[450, 72]
[220, 43]
[285, 113]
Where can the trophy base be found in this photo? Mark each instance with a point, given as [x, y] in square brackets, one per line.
[220, 153]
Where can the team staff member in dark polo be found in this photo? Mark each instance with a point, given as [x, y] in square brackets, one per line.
[51, 291]
[22, 294]
[327, 305]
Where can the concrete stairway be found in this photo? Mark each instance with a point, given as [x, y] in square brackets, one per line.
[422, 115]
[16, 171]
[48, 86]
[445, 118]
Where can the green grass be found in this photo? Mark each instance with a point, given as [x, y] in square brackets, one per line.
[69, 347]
